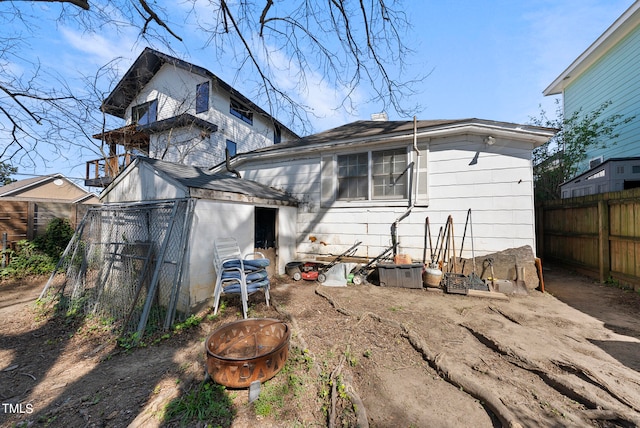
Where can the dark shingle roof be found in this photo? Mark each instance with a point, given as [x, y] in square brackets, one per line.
[198, 178]
[364, 129]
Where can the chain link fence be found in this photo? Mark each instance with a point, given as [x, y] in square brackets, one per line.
[124, 265]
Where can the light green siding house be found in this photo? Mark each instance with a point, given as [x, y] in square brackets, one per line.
[609, 70]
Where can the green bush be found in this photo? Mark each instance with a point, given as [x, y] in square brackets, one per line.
[54, 241]
[40, 256]
[27, 260]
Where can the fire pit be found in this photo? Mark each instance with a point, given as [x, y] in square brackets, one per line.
[244, 351]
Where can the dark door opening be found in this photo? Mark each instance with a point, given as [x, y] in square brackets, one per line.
[266, 235]
[265, 227]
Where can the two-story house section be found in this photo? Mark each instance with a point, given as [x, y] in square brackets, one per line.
[607, 71]
[179, 112]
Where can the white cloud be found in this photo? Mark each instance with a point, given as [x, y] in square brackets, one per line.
[323, 98]
[96, 48]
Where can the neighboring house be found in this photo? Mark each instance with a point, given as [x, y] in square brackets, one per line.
[27, 206]
[223, 205]
[355, 181]
[610, 176]
[179, 112]
[607, 71]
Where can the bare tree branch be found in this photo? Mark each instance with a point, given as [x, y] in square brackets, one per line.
[79, 3]
[155, 18]
[281, 50]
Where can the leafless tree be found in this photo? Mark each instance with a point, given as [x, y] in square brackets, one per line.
[348, 44]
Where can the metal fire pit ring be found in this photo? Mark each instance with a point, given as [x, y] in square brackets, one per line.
[244, 351]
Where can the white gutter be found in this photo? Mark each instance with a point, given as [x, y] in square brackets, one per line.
[537, 137]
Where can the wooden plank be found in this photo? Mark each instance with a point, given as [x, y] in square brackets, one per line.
[604, 257]
[487, 294]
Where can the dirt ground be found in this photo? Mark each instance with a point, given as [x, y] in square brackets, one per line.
[406, 358]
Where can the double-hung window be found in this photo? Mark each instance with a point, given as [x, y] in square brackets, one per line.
[144, 114]
[376, 175]
[353, 176]
[389, 174]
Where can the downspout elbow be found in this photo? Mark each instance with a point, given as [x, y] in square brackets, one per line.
[227, 164]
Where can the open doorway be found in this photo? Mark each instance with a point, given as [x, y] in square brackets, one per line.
[266, 235]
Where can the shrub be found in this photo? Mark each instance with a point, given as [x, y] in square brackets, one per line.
[54, 241]
[27, 260]
[40, 256]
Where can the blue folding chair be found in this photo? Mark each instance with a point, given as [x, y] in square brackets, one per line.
[236, 274]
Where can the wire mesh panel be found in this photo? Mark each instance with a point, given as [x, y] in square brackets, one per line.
[124, 264]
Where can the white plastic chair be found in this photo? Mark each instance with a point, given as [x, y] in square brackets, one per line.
[237, 274]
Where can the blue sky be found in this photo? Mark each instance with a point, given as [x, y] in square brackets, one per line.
[484, 59]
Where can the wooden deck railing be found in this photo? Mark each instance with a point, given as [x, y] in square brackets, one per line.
[101, 172]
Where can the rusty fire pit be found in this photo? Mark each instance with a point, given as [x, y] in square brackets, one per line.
[244, 351]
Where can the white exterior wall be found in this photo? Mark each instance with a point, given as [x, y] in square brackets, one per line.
[175, 90]
[498, 189]
[142, 184]
[213, 220]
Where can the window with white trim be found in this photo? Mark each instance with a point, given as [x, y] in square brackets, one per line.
[376, 175]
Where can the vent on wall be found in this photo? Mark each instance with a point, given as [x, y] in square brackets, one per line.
[595, 162]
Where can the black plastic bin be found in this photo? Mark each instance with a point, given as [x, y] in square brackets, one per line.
[405, 276]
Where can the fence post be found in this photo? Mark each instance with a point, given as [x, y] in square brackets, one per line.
[5, 239]
[604, 258]
[539, 232]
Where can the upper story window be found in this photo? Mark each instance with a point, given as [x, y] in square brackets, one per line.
[379, 175]
[145, 113]
[202, 97]
[232, 148]
[240, 111]
[277, 134]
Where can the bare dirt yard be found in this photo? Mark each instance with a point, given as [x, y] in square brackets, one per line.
[360, 356]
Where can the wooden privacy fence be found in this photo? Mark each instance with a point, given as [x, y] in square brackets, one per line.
[21, 219]
[598, 235]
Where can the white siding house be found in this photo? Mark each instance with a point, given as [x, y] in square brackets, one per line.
[179, 112]
[224, 206]
[353, 182]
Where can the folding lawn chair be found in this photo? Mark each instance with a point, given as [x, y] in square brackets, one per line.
[237, 274]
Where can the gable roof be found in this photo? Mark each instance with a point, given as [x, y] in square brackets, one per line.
[18, 188]
[146, 66]
[624, 25]
[21, 185]
[368, 131]
[195, 178]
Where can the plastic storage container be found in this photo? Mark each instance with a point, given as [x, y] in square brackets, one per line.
[406, 276]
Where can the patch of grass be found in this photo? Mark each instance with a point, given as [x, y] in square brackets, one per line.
[287, 387]
[350, 358]
[191, 321]
[206, 402]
